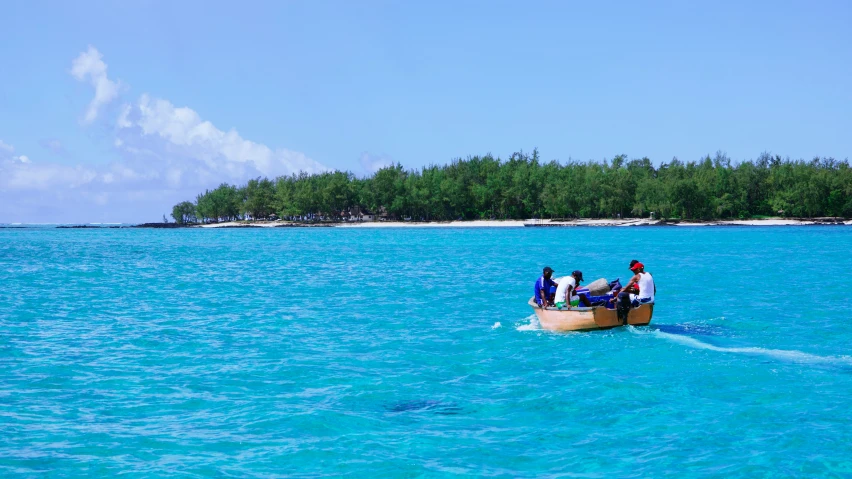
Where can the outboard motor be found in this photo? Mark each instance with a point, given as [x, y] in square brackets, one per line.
[623, 308]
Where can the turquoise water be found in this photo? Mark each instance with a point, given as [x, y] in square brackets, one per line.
[412, 353]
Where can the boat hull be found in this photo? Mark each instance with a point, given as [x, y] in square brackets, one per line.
[589, 319]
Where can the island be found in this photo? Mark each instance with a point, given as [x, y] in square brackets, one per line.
[524, 190]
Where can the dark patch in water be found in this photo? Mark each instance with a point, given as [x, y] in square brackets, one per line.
[689, 329]
[437, 407]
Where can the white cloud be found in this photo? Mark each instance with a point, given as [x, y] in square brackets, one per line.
[182, 131]
[90, 66]
[373, 163]
[18, 173]
[7, 156]
[122, 121]
[32, 191]
[155, 128]
[163, 154]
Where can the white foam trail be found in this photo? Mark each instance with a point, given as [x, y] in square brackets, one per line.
[533, 325]
[496, 325]
[780, 354]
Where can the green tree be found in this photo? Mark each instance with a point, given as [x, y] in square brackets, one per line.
[184, 212]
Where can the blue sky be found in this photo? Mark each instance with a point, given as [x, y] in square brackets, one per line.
[113, 111]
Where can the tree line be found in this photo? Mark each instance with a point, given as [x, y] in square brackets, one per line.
[523, 186]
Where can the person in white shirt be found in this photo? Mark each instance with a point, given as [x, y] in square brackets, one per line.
[641, 286]
[566, 291]
[639, 290]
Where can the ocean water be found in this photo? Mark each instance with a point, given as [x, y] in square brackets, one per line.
[412, 353]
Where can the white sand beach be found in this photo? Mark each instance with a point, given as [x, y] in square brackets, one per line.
[764, 222]
[767, 222]
[579, 222]
[596, 222]
[447, 224]
[236, 224]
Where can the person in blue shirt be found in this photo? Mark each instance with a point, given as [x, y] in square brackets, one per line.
[543, 287]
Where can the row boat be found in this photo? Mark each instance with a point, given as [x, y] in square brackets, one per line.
[587, 319]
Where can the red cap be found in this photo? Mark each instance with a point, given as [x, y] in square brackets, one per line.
[636, 266]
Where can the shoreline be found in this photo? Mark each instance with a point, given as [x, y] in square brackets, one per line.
[581, 223]
[634, 222]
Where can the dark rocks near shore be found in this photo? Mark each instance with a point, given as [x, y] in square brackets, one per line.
[87, 227]
[161, 225]
[234, 225]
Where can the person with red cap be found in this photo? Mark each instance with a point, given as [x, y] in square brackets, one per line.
[639, 290]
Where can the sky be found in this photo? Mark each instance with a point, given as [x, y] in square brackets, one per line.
[113, 111]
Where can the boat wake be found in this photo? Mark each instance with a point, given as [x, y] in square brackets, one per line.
[778, 354]
[532, 325]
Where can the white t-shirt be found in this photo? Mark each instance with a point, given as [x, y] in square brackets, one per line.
[646, 287]
[562, 289]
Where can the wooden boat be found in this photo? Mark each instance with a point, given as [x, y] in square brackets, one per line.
[587, 319]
